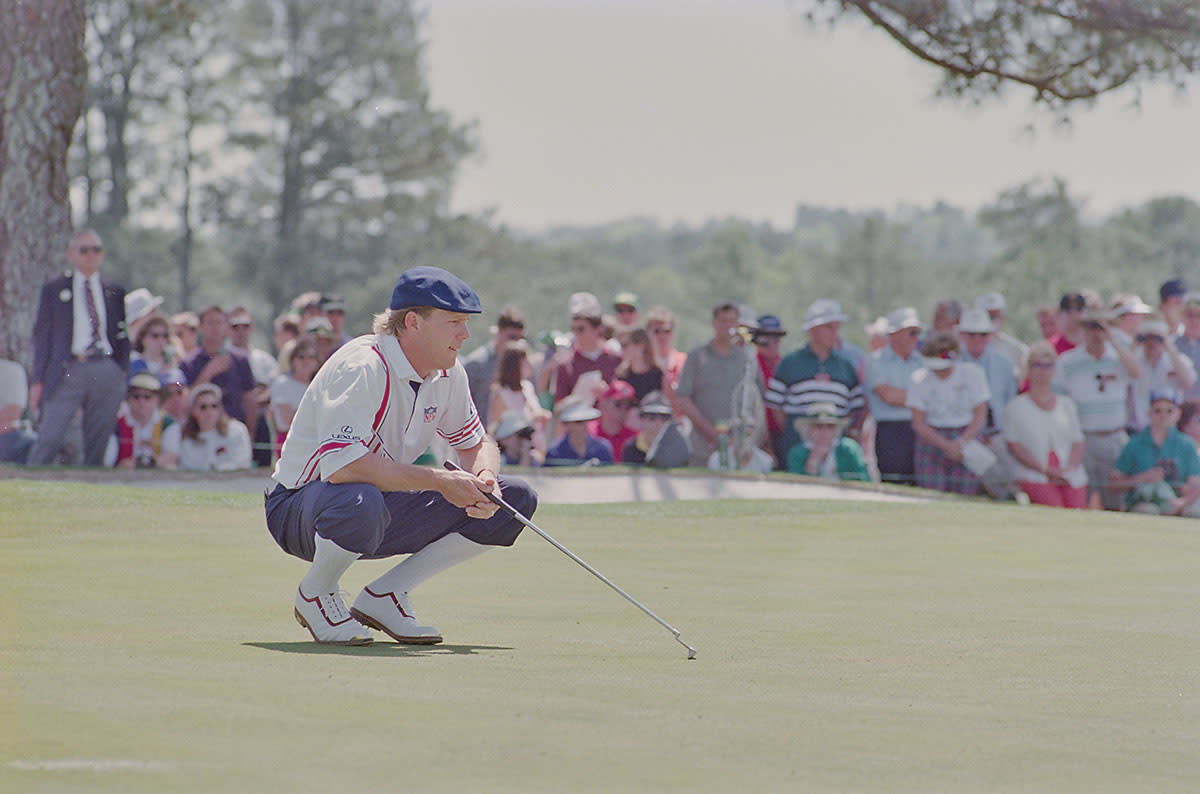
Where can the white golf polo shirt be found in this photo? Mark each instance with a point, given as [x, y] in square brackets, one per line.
[363, 399]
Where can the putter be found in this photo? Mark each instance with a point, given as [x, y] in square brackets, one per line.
[512, 511]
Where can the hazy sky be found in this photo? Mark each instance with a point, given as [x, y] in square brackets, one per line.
[692, 109]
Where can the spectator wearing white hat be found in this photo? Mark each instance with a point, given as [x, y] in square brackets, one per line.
[1162, 366]
[949, 405]
[577, 446]
[824, 452]
[1003, 343]
[889, 374]
[975, 332]
[815, 374]
[140, 306]
[185, 330]
[1125, 316]
[1188, 341]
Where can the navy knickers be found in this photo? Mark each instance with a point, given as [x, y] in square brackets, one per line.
[376, 524]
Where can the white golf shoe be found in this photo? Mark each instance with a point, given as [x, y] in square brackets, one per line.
[392, 614]
[327, 619]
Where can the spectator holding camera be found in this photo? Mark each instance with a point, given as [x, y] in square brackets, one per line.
[146, 437]
[1159, 467]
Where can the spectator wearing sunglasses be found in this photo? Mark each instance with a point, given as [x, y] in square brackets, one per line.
[80, 356]
[1163, 368]
[660, 324]
[949, 402]
[288, 388]
[151, 349]
[212, 440]
[1096, 376]
[146, 437]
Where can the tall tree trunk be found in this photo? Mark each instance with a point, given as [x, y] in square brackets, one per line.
[43, 76]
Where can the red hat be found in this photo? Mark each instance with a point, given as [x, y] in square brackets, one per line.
[618, 390]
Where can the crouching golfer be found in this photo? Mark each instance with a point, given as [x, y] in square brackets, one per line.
[346, 484]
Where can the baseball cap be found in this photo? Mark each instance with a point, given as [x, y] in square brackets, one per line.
[332, 303]
[1166, 393]
[618, 390]
[145, 380]
[583, 304]
[625, 299]
[906, 317]
[769, 325]
[436, 288]
[1173, 288]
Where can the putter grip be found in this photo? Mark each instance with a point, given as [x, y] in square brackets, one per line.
[452, 466]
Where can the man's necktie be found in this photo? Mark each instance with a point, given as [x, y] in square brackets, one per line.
[93, 317]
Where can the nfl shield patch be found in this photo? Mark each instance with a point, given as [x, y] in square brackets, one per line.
[430, 414]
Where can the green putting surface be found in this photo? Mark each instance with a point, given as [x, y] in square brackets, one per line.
[843, 647]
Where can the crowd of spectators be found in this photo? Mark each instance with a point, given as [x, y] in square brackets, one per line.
[1102, 411]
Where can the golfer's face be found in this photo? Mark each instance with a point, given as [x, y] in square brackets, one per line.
[443, 333]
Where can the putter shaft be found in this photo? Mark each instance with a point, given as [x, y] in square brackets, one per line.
[512, 511]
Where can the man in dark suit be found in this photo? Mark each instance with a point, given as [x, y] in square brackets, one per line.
[80, 354]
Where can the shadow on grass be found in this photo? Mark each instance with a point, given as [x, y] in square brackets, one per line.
[388, 649]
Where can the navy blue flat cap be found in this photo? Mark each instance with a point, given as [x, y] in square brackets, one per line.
[432, 286]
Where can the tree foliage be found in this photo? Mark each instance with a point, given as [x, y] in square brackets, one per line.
[345, 160]
[1063, 51]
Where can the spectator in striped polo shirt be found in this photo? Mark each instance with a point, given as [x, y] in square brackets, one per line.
[1096, 375]
[814, 374]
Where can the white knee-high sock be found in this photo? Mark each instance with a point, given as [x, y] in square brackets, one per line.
[330, 561]
[433, 559]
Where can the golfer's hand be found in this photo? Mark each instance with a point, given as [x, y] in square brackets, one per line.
[469, 492]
